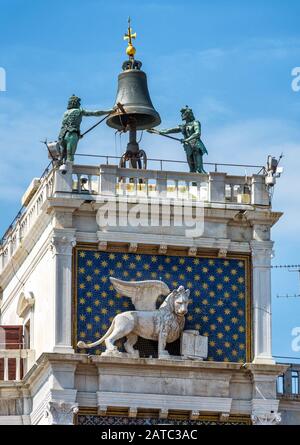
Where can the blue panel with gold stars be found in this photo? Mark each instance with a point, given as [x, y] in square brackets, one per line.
[219, 296]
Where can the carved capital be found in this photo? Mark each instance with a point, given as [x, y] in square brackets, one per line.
[132, 412]
[194, 415]
[102, 245]
[222, 253]
[266, 419]
[163, 248]
[192, 251]
[62, 243]
[61, 413]
[163, 413]
[133, 247]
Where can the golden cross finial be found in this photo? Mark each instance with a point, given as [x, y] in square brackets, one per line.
[130, 50]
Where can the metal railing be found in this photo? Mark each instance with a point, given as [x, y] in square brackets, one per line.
[260, 169]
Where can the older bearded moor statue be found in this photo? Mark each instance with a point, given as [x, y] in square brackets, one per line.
[163, 325]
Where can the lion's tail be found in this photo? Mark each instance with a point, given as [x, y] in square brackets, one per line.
[82, 344]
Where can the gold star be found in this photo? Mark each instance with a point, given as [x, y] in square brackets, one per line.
[82, 254]
[97, 319]
[104, 311]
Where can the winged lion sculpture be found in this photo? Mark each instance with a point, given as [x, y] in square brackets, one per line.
[163, 325]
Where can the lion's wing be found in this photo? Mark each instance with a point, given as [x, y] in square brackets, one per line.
[143, 294]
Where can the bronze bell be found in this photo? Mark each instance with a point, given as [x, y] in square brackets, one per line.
[134, 96]
[134, 109]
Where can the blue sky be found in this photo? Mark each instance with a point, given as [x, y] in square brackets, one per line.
[231, 61]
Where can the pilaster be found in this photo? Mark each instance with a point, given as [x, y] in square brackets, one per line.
[62, 243]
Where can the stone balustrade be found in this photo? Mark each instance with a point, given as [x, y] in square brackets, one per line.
[15, 363]
[109, 180]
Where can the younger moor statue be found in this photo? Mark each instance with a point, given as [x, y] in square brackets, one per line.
[193, 146]
[70, 129]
